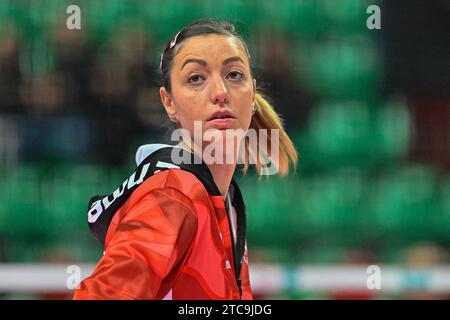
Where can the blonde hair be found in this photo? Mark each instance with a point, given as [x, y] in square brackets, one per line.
[265, 117]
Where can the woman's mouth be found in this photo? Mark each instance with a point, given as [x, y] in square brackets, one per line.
[223, 119]
[223, 123]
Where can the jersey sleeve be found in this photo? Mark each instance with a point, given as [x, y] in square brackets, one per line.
[148, 248]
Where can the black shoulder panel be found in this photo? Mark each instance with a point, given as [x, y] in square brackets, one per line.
[102, 208]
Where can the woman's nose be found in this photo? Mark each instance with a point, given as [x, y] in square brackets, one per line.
[219, 92]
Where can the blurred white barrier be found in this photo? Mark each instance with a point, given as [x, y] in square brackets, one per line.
[264, 278]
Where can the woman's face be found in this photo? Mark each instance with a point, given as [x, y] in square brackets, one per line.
[209, 75]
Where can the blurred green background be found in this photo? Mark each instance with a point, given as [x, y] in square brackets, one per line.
[367, 109]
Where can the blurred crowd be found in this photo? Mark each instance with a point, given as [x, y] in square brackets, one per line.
[96, 102]
[90, 106]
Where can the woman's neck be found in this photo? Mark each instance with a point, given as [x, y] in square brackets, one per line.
[222, 173]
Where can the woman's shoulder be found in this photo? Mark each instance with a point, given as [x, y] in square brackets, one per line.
[177, 183]
[162, 201]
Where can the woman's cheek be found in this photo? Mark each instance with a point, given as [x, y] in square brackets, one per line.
[247, 124]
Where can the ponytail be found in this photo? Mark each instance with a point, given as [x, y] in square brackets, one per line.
[265, 117]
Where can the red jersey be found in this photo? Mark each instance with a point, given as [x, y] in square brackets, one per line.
[167, 236]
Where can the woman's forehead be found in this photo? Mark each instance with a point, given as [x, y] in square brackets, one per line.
[212, 46]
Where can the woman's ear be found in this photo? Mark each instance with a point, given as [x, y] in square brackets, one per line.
[167, 101]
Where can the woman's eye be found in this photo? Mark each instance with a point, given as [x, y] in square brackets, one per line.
[235, 75]
[195, 79]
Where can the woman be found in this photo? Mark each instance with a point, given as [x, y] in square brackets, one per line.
[176, 229]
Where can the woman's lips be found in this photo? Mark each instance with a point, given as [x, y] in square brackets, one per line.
[222, 123]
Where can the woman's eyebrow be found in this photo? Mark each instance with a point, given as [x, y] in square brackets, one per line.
[204, 64]
[199, 61]
[232, 59]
